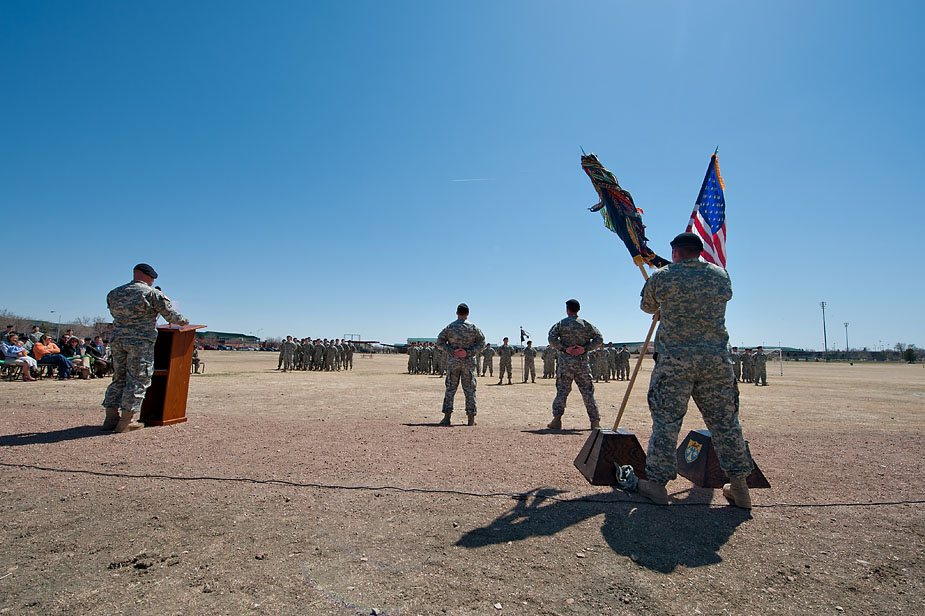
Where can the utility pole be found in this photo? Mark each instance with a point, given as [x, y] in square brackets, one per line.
[825, 342]
[847, 350]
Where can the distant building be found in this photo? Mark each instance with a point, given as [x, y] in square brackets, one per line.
[235, 341]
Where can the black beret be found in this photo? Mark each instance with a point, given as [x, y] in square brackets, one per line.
[687, 240]
[146, 269]
[573, 304]
[462, 309]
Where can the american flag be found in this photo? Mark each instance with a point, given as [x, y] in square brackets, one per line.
[708, 219]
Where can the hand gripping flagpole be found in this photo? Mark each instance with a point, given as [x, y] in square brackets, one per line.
[642, 353]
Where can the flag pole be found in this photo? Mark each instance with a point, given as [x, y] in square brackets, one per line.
[522, 354]
[642, 353]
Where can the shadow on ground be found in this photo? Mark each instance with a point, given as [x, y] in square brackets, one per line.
[658, 538]
[55, 436]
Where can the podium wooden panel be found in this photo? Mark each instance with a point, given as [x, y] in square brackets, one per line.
[697, 462]
[603, 450]
[165, 400]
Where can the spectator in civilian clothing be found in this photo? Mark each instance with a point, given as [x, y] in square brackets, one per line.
[74, 354]
[47, 353]
[13, 353]
[97, 352]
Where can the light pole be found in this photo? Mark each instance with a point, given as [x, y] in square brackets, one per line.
[847, 351]
[58, 331]
[825, 342]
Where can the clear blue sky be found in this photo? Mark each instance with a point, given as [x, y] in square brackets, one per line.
[321, 168]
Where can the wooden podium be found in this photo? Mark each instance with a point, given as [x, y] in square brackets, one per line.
[165, 400]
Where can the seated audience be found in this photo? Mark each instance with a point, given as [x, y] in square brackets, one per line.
[15, 354]
[47, 353]
[74, 354]
[97, 352]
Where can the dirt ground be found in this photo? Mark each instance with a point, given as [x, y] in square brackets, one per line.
[337, 493]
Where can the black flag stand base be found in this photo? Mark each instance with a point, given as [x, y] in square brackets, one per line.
[605, 449]
[697, 462]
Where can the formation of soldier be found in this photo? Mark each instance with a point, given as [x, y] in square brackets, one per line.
[426, 358]
[750, 367]
[318, 354]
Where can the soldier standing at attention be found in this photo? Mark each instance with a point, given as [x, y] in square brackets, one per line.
[549, 362]
[623, 369]
[505, 355]
[134, 307]
[462, 341]
[529, 365]
[611, 361]
[487, 354]
[736, 363]
[412, 359]
[690, 296]
[747, 366]
[572, 337]
[760, 366]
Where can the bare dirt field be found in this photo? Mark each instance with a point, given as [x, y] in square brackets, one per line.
[337, 493]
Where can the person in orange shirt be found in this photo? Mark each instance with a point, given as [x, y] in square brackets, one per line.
[47, 353]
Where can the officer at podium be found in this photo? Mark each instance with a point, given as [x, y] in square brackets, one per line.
[134, 307]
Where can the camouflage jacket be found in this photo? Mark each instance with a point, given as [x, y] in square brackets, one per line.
[529, 352]
[691, 298]
[505, 352]
[134, 307]
[461, 334]
[572, 331]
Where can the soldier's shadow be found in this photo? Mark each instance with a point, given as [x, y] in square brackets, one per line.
[658, 538]
[54, 436]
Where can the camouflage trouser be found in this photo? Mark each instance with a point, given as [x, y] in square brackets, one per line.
[574, 369]
[549, 367]
[132, 367]
[478, 364]
[280, 363]
[612, 368]
[288, 360]
[487, 365]
[456, 370]
[504, 364]
[529, 370]
[412, 365]
[710, 381]
[737, 370]
[761, 374]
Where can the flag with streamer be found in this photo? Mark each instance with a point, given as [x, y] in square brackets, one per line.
[708, 220]
[523, 334]
[620, 213]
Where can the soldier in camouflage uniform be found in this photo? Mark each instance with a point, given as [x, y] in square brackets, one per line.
[747, 366]
[572, 337]
[134, 307]
[690, 296]
[611, 360]
[412, 358]
[462, 341]
[623, 369]
[478, 363]
[760, 367]
[505, 361]
[348, 365]
[317, 355]
[487, 354]
[529, 364]
[549, 362]
[736, 363]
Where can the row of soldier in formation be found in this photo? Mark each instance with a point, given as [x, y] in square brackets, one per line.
[317, 354]
[607, 362]
[750, 367]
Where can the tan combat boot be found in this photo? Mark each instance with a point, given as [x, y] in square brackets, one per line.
[126, 424]
[112, 419]
[736, 492]
[653, 491]
[556, 423]
[446, 419]
[471, 418]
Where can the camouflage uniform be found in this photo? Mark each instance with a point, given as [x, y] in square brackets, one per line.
[737, 364]
[348, 364]
[529, 365]
[571, 331]
[624, 364]
[487, 353]
[505, 362]
[329, 354]
[134, 307]
[691, 344]
[760, 367]
[612, 358]
[412, 359]
[317, 355]
[549, 362]
[460, 334]
[747, 366]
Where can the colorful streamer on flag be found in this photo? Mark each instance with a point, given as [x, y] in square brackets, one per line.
[620, 213]
[708, 219]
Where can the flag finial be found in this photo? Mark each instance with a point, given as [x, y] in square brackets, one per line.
[582, 151]
[716, 151]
